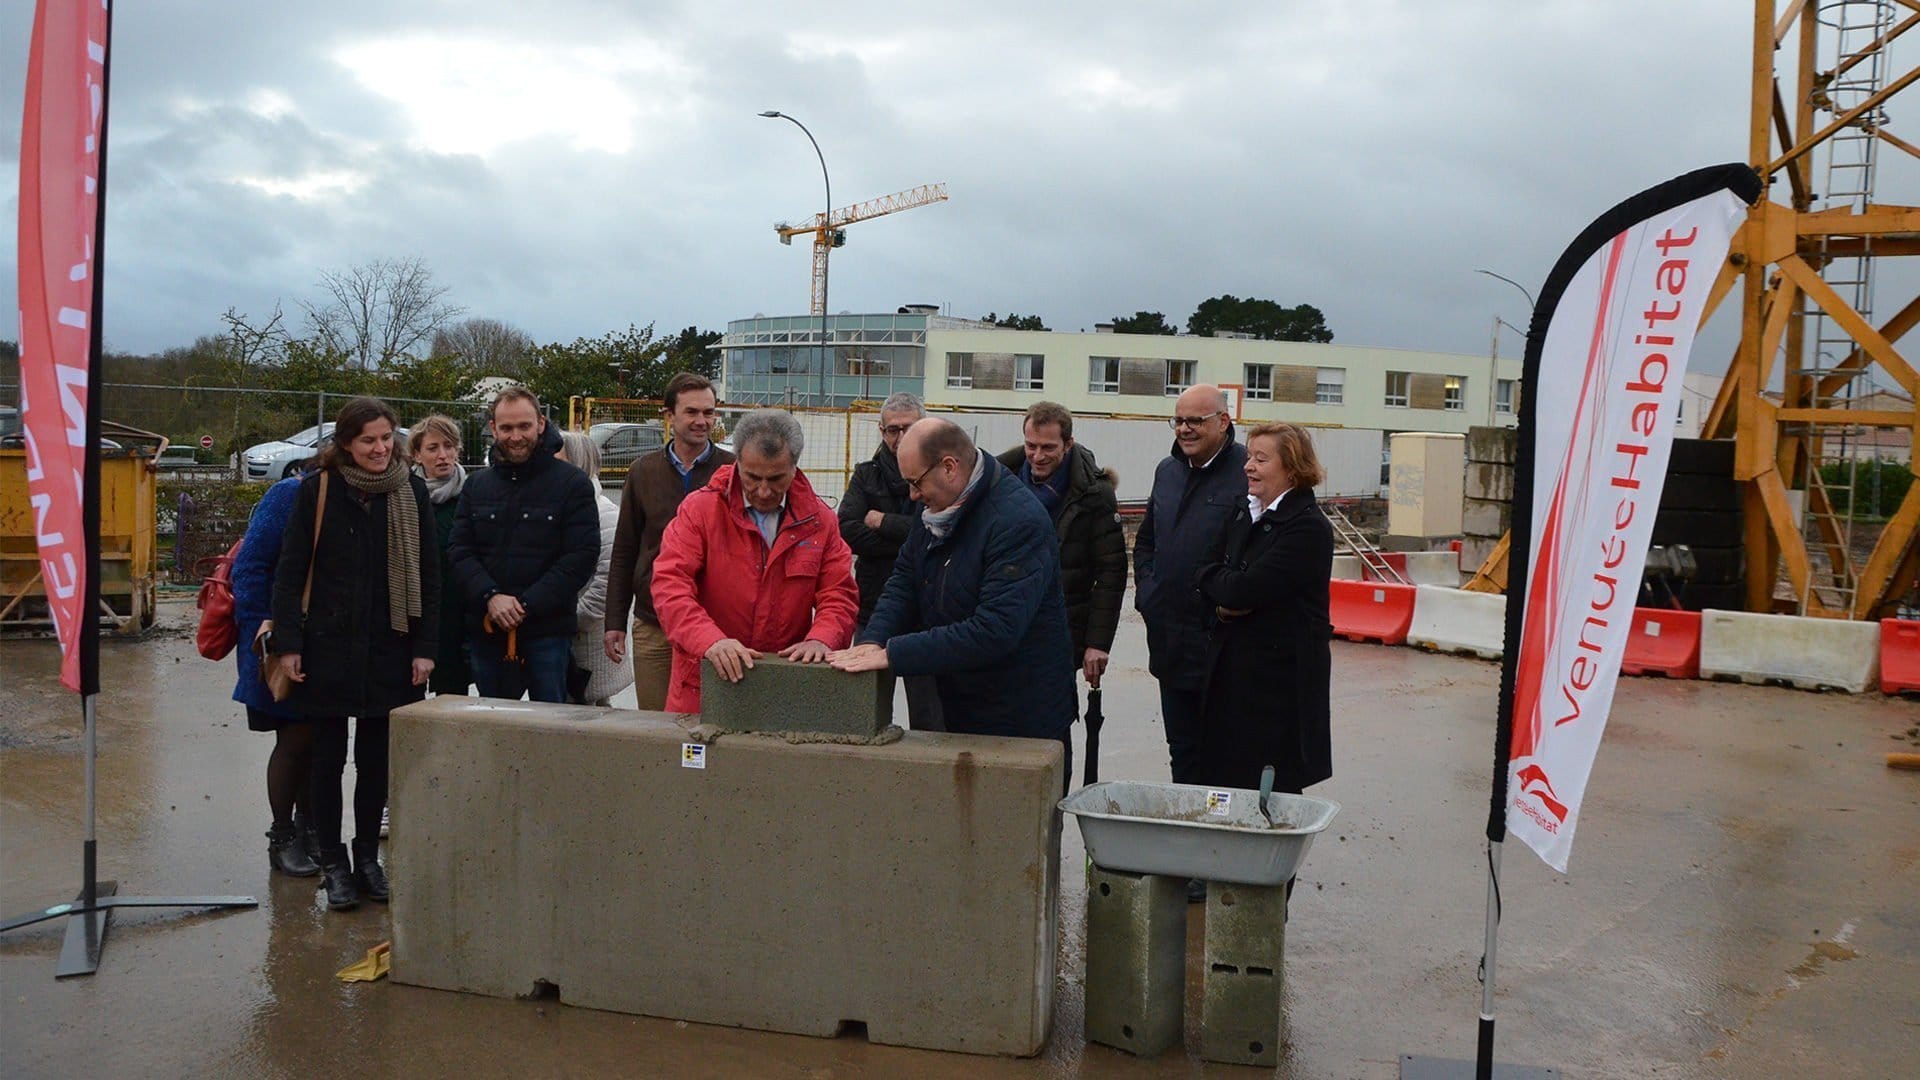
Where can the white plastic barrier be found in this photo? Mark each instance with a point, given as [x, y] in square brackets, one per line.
[1347, 568]
[1440, 568]
[1454, 620]
[1812, 654]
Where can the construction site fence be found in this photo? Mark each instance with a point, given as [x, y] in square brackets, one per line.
[235, 418]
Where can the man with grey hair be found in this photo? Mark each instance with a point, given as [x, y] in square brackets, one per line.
[876, 514]
[753, 564]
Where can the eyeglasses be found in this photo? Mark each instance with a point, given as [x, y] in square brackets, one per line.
[914, 483]
[1178, 422]
[895, 429]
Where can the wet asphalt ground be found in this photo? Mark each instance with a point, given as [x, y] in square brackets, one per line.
[1744, 900]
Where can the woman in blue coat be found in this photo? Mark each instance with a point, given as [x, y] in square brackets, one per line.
[291, 762]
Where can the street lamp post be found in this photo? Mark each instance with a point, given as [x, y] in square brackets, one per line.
[1498, 322]
[826, 226]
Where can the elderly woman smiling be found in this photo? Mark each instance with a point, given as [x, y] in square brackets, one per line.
[1269, 657]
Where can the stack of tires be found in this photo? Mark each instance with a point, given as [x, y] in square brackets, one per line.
[1701, 509]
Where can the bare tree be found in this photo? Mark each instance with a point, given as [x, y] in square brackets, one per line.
[254, 344]
[379, 310]
[494, 347]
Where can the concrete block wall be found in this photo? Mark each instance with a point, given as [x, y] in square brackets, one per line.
[912, 887]
[779, 695]
[1487, 509]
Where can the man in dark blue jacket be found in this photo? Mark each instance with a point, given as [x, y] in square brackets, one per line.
[974, 598]
[526, 538]
[1196, 492]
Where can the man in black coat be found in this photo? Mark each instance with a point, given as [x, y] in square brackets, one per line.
[1080, 496]
[876, 514]
[1197, 490]
[525, 541]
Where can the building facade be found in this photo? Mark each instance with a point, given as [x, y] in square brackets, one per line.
[963, 364]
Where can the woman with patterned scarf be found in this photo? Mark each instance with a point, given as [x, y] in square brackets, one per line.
[356, 612]
[435, 449]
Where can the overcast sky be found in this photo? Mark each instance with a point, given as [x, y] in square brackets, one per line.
[571, 167]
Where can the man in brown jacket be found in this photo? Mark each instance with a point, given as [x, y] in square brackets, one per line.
[655, 485]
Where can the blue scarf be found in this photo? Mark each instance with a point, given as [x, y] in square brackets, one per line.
[1052, 492]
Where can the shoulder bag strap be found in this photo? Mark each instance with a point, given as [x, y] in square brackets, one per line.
[319, 516]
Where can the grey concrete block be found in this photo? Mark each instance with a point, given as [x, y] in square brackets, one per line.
[913, 887]
[1474, 551]
[778, 695]
[1246, 938]
[1136, 960]
[1489, 481]
[1493, 444]
[1485, 517]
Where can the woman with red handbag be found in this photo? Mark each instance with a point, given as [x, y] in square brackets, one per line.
[290, 848]
[356, 610]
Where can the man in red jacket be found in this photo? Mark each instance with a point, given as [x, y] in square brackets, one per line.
[753, 563]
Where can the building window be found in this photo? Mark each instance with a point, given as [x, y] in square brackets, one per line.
[1456, 394]
[1029, 371]
[1397, 382]
[1330, 386]
[1386, 462]
[1259, 381]
[1103, 375]
[960, 370]
[1180, 375]
[1503, 393]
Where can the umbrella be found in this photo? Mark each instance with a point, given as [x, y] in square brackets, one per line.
[1094, 720]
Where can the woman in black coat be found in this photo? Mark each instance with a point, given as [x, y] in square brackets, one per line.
[363, 643]
[1269, 658]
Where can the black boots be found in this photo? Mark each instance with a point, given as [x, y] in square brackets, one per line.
[343, 890]
[287, 854]
[367, 874]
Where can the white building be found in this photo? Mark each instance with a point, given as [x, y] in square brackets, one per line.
[958, 364]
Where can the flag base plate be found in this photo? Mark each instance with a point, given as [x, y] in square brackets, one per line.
[1415, 1067]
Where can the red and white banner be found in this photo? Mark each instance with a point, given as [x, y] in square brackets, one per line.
[1618, 330]
[61, 148]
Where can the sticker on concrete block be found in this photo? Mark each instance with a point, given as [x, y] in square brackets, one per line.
[1218, 803]
[693, 755]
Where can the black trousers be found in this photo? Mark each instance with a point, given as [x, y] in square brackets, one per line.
[370, 779]
[1180, 710]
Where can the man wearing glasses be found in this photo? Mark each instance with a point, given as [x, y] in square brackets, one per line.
[975, 597]
[876, 514]
[1196, 491]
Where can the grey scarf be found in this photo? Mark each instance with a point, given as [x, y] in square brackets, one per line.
[447, 488]
[941, 523]
[403, 536]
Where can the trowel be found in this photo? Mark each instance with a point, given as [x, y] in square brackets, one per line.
[1266, 791]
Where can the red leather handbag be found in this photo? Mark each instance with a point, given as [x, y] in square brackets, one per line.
[218, 632]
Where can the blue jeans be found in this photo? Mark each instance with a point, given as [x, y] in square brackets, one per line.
[540, 673]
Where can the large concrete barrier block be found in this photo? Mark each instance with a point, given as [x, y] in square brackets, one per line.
[1457, 621]
[1486, 480]
[1433, 568]
[750, 882]
[1499, 445]
[1813, 654]
[779, 695]
[1485, 517]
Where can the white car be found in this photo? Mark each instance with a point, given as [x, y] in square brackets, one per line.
[272, 461]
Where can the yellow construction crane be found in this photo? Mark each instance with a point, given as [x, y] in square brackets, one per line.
[829, 230]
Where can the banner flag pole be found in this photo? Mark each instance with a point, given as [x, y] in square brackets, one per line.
[63, 208]
[1606, 351]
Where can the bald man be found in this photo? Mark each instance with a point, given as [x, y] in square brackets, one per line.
[1196, 491]
[974, 598]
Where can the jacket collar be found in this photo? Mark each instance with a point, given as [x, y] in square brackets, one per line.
[802, 503]
[1232, 438]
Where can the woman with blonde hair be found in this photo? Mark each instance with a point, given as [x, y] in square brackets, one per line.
[1269, 651]
[602, 678]
[436, 460]
[356, 613]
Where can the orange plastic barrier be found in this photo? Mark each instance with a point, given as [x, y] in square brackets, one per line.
[1899, 655]
[1371, 611]
[1395, 559]
[1663, 642]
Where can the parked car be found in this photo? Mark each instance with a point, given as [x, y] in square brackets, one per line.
[276, 460]
[623, 444]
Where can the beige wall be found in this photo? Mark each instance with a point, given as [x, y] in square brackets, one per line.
[1294, 370]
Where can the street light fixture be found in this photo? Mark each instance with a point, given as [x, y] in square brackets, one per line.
[826, 223]
[1493, 382]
